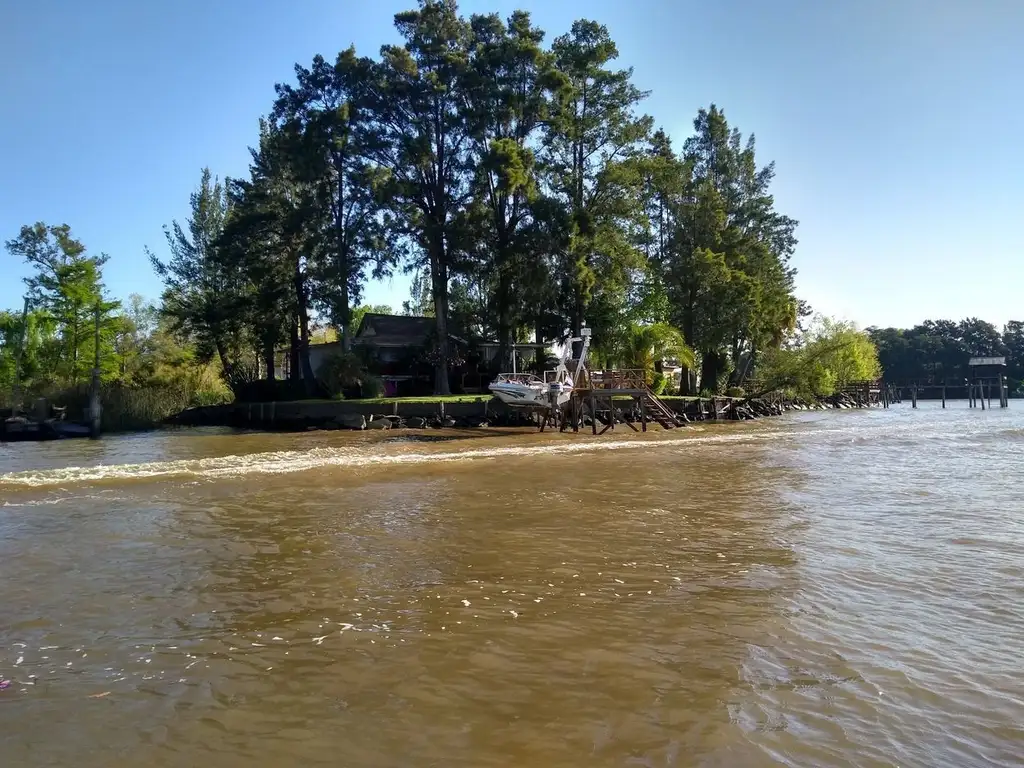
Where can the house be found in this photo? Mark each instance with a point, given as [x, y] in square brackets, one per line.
[395, 348]
[392, 344]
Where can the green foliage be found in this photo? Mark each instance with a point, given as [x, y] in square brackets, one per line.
[735, 392]
[832, 355]
[360, 312]
[371, 387]
[203, 291]
[719, 248]
[642, 347]
[937, 351]
[67, 300]
[341, 371]
[518, 180]
[658, 383]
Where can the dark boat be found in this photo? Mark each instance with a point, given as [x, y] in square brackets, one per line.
[17, 429]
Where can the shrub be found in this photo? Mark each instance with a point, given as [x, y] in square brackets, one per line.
[735, 392]
[340, 372]
[372, 387]
[658, 383]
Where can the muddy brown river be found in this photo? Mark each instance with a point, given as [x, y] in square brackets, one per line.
[832, 589]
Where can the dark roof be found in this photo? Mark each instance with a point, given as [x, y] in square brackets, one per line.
[394, 330]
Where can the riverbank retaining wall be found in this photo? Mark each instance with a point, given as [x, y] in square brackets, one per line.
[482, 412]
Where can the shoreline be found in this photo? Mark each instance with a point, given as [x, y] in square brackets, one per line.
[466, 413]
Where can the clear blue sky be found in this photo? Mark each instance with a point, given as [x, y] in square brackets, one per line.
[897, 126]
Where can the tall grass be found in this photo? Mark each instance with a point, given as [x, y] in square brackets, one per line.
[126, 409]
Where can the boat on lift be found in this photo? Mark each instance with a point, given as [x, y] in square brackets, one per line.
[527, 390]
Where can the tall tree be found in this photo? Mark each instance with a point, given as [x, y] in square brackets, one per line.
[590, 154]
[66, 284]
[421, 141]
[325, 110]
[200, 289]
[509, 79]
[726, 270]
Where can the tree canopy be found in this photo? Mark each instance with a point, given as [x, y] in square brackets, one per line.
[519, 179]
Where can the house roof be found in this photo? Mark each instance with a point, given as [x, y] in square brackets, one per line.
[394, 330]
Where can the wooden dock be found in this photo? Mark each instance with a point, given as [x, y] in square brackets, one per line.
[604, 398]
[987, 378]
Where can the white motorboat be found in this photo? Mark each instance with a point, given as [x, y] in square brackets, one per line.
[526, 390]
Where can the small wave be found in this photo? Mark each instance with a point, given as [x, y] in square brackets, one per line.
[280, 462]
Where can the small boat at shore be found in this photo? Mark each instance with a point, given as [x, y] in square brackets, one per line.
[527, 390]
[17, 429]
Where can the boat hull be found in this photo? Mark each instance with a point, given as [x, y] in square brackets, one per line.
[529, 396]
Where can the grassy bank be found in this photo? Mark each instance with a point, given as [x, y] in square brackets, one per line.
[393, 400]
[131, 409]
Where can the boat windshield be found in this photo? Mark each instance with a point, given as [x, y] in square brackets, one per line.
[517, 378]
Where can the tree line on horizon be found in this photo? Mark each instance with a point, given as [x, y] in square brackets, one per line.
[937, 351]
[518, 181]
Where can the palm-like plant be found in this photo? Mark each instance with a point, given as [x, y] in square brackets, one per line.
[644, 345]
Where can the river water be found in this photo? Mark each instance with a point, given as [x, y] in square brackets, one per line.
[826, 589]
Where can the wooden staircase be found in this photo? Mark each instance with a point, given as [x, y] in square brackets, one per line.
[599, 404]
[660, 412]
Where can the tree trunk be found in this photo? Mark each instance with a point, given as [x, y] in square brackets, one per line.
[439, 289]
[576, 327]
[302, 305]
[711, 368]
[345, 315]
[227, 369]
[269, 360]
[505, 330]
[539, 338]
[294, 371]
[687, 385]
[346, 318]
[735, 352]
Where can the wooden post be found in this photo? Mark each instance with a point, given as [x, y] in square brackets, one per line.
[913, 396]
[643, 412]
[1004, 392]
[593, 411]
[943, 394]
[981, 391]
[94, 395]
[989, 388]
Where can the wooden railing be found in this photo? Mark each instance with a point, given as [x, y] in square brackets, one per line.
[625, 379]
